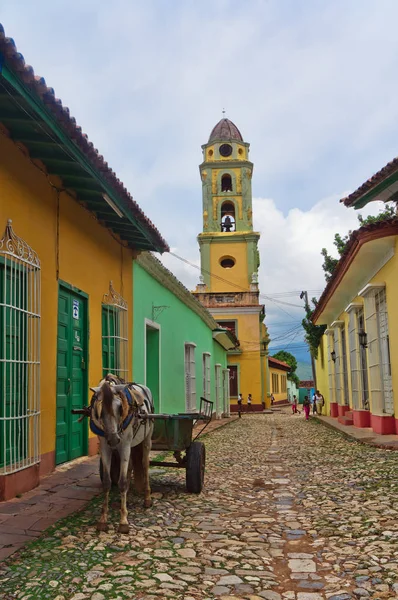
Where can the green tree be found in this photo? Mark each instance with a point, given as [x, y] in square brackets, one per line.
[291, 361]
[313, 333]
[329, 262]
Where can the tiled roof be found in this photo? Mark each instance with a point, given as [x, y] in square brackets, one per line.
[278, 363]
[64, 119]
[306, 383]
[365, 233]
[377, 178]
[225, 130]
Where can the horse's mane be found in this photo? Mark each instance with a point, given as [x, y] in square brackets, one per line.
[107, 397]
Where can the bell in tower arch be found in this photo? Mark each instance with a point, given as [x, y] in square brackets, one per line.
[228, 222]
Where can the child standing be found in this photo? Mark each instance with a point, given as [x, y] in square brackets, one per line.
[249, 402]
[240, 405]
[294, 405]
[306, 407]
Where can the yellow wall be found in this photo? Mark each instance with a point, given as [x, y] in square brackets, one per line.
[322, 373]
[88, 259]
[388, 276]
[239, 272]
[278, 395]
[249, 360]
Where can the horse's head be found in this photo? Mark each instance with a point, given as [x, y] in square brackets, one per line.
[109, 405]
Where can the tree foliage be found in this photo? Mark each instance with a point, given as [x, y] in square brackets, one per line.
[313, 333]
[291, 361]
[329, 262]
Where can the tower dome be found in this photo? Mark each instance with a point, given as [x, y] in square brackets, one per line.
[225, 130]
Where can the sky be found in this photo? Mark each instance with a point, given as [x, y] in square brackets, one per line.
[311, 85]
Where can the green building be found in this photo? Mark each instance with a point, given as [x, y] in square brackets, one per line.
[179, 351]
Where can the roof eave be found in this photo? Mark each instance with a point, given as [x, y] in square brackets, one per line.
[101, 177]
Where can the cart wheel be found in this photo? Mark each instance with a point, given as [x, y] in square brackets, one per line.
[195, 472]
[115, 468]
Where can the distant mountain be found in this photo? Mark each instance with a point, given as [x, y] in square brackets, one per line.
[304, 371]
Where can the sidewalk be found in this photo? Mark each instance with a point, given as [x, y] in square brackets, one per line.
[364, 435]
[66, 490]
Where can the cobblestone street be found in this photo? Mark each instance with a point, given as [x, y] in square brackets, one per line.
[291, 510]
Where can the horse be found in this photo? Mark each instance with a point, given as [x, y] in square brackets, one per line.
[118, 411]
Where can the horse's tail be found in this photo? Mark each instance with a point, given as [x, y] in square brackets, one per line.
[107, 396]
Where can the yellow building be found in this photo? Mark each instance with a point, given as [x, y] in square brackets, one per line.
[357, 362]
[230, 259]
[278, 372]
[68, 232]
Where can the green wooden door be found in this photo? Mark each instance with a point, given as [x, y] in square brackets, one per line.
[13, 374]
[71, 436]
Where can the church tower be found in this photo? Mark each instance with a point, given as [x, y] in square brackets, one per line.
[230, 259]
[228, 245]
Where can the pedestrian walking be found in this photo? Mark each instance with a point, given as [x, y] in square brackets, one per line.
[319, 401]
[294, 405]
[306, 407]
[240, 398]
[249, 402]
[313, 404]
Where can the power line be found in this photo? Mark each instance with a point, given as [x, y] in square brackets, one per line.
[239, 287]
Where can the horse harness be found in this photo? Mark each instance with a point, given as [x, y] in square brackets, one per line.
[134, 410]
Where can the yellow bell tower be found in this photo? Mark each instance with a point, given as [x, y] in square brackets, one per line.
[228, 245]
[230, 259]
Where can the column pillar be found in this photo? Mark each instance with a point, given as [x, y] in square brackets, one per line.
[331, 373]
[342, 406]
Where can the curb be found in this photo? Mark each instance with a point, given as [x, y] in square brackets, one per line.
[364, 442]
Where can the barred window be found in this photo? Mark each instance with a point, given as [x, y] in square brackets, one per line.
[19, 353]
[206, 375]
[114, 334]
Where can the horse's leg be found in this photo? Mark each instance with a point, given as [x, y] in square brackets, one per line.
[106, 457]
[136, 459]
[124, 482]
[146, 448]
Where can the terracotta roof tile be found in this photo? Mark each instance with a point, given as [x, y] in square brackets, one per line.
[278, 362]
[377, 178]
[62, 114]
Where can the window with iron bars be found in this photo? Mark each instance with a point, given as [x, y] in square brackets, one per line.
[19, 353]
[114, 334]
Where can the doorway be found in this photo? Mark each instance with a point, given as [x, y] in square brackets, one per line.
[152, 361]
[71, 436]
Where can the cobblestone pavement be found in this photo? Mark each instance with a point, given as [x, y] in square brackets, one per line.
[291, 510]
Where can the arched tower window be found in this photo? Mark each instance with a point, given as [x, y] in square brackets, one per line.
[226, 183]
[228, 222]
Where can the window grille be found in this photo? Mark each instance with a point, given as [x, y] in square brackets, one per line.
[114, 334]
[345, 366]
[190, 378]
[275, 383]
[384, 340]
[206, 376]
[19, 353]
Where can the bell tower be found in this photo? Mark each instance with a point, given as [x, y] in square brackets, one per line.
[230, 260]
[228, 244]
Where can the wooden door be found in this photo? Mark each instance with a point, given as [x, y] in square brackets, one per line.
[71, 436]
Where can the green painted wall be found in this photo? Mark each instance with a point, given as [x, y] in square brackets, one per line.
[178, 325]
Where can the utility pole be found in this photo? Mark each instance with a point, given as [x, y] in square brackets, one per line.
[304, 294]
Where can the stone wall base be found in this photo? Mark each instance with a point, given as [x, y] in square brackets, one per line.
[383, 424]
[361, 418]
[334, 409]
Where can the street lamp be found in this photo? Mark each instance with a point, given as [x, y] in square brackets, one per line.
[333, 355]
[363, 338]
